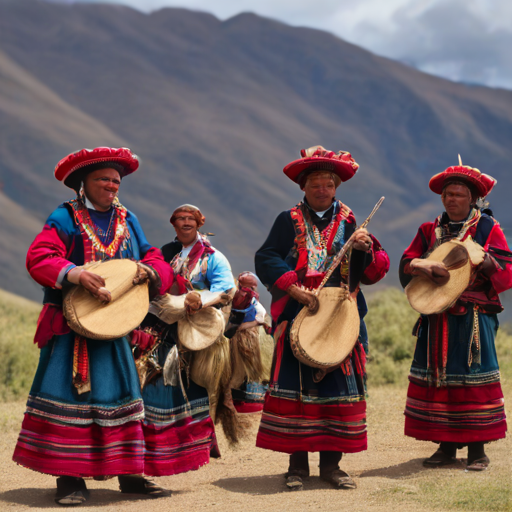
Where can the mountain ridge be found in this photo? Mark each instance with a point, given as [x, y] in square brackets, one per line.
[215, 109]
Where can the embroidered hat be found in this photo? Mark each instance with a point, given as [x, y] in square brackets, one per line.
[317, 158]
[190, 208]
[86, 160]
[481, 183]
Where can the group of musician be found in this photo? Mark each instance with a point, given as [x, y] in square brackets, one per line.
[146, 404]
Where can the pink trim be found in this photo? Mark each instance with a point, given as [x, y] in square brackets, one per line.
[302, 426]
[286, 280]
[248, 407]
[178, 448]
[80, 451]
[46, 258]
[379, 266]
[154, 259]
[461, 402]
[51, 321]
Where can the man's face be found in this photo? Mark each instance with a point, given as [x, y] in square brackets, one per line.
[101, 187]
[186, 227]
[320, 192]
[456, 201]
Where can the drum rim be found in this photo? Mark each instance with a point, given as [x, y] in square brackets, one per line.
[305, 358]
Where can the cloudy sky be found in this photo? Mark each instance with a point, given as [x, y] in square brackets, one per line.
[463, 40]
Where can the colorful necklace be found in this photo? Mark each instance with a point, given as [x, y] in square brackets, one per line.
[93, 245]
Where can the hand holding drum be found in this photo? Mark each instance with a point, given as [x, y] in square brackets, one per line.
[93, 283]
[309, 299]
[105, 304]
[436, 271]
[193, 303]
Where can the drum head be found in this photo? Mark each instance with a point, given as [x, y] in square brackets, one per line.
[429, 298]
[87, 316]
[326, 338]
[199, 331]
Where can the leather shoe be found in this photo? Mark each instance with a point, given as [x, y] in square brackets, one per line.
[339, 479]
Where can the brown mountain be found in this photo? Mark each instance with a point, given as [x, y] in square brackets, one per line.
[215, 110]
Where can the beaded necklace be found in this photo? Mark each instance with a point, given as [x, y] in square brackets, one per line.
[94, 248]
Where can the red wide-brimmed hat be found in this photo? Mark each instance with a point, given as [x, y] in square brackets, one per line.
[317, 158]
[126, 162]
[480, 182]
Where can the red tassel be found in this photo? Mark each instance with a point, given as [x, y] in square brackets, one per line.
[81, 377]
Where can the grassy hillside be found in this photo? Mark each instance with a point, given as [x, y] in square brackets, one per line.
[389, 323]
[18, 355]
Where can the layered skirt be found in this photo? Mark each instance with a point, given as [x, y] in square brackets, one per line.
[96, 433]
[465, 404]
[301, 415]
[178, 430]
[113, 429]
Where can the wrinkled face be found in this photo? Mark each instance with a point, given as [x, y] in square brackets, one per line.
[186, 227]
[101, 187]
[456, 201]
[320, 192]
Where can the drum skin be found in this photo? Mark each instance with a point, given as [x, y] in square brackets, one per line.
[429, 298]
[326, 338]
[89, 317]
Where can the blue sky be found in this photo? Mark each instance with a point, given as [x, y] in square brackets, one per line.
[463, 40]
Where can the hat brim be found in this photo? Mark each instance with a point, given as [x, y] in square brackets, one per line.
[84, 158]
[299, 169]
[481, 183]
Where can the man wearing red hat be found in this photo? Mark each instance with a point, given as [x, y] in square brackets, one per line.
[454, 396]
[85, 410]
[306, 410]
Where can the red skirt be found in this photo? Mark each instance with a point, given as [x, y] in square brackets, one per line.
[459, 414]
[291, 425]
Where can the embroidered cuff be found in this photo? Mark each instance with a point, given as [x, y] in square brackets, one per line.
[286, 280]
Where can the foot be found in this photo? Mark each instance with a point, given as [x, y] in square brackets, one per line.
[478, 464]
[439, 460]
[71, 491]
[136, 484]
[339, 479]
[294, 483]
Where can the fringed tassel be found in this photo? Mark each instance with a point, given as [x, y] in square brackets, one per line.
[346, 367]
[474, 356]
[437, 354]
[81, 373]
[234, 425]
[359, 359]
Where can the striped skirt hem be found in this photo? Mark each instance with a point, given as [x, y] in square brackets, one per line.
[461, 414]
[291, 425]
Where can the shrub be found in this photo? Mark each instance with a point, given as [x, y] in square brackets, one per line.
[18, 354]
[390, 321]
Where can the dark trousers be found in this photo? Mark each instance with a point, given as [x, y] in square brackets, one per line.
[299, 463]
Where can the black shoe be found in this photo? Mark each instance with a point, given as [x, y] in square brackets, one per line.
[439, 460]
[294, 483]
[136, 484]
[71, 491]
[478, 464]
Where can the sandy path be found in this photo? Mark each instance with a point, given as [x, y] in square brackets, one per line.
[389, 475]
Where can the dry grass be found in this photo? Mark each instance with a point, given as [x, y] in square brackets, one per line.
[18, 355]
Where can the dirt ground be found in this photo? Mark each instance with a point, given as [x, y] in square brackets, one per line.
[389, 475]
